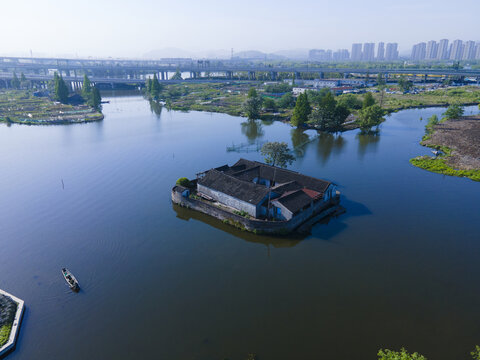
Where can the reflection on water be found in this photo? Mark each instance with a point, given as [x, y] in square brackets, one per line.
[368, 142]
[327, 144]
[178, 277]
[299, 141]
[252, 129]
[275, 241]
[156, 108]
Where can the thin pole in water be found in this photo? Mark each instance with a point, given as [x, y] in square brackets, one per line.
[63, 185]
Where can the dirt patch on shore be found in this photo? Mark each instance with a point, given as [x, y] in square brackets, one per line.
[462, 136]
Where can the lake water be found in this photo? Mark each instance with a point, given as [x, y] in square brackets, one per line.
[400, 268]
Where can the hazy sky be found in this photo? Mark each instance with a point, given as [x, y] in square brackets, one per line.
[133, 28]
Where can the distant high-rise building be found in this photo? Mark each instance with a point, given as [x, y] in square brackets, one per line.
[442, 52]
[341, 55]
[456, 51]
[432, 49]
[419, 51]
[469, 50]
[391, 53]
[381, 51]
[356, 52]
[368, 52]
[320, 55]
[477, 52]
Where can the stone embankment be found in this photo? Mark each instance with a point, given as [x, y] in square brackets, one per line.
[16, 305]
[256, 225]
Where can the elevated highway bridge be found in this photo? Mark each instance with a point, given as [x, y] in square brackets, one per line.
[118, 71]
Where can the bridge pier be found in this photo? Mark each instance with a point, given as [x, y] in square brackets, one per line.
[345, 75]
[251, 75]
[321, 75]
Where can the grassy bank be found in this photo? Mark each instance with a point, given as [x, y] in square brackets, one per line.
[22, 107]
[456, 140]
[439, 165]
[464, 95]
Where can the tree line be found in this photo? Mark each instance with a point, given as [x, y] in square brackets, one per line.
[319, 109]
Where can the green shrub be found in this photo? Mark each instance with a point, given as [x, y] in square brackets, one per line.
[399, 355]
[5, 334]
[183, 181]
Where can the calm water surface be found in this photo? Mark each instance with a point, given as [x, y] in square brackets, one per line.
[400, 268]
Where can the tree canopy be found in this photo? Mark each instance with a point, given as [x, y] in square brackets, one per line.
[86, 87]
[177, 76]
[60, 89]
[453, 112]
[286, 101]
[369, 117]
[252, 104]
[15, 83]
[399, 355]
[301, 111]
[329, 115]
[277, 154]
[368, 100]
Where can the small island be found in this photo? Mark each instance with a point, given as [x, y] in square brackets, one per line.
[11, 312]
[258, 197]
[455, 143]
[51, 106]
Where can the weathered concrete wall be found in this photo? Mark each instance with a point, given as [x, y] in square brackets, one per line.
[229, 200]
[254, 224]
[10, 344]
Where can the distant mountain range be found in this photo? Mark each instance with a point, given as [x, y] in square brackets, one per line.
[297, 54]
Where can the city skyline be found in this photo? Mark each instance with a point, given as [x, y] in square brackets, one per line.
[161, 24]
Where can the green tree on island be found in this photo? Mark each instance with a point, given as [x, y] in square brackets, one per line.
[23, 81]
[95, 99]
[329, 115]
[301, 111]
[155, 88]
[251, 106]
[86, 87]
[15, 83]
[277, 154]
[60, 89]
[91, 94]
[453, 112]
[269, 104]
[177, 76]
[286, 101]
[368, 100]
[369, 117]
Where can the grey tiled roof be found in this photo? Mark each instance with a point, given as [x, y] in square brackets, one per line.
[242, 190]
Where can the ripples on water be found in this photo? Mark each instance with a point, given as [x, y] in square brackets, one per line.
[159, 281]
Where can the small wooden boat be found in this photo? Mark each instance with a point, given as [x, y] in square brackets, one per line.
[70, 279]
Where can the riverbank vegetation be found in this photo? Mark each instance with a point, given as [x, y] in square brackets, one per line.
[316, 109]
[455, 141]
[54, 105]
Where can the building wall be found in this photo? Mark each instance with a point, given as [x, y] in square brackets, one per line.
[228, 200]
[319, 211]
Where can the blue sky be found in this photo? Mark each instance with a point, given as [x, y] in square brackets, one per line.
[133, 28]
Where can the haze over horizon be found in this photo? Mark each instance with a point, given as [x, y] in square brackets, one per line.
[135, 29]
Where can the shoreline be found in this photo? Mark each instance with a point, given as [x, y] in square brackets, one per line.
[456, 140]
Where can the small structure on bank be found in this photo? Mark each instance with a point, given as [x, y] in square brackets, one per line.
[11, 313]
[259, 197]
